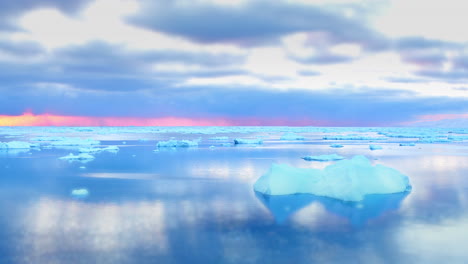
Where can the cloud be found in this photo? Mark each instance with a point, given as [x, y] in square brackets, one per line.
[9, 10]
[252, 23]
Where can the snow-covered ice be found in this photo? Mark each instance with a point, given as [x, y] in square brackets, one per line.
[330, 157]
[291, 136]
[80, 157]
[16, 145]
[348, 180]
[177, 143]
[248, 141]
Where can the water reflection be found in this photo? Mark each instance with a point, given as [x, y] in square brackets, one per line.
[357, 213]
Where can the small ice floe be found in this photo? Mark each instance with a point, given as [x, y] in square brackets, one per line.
[336, 146]
[79, 193]
[248, 141]
[291, 136]
[177, 143]
[330, 157]
[113, 149]
[82, 157]
[212, 147]
[408, 144]
[66, 141]
[347, 180]
[375, 147]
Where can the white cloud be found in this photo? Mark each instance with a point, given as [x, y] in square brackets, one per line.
[431, 19]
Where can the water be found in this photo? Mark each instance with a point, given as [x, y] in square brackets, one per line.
[197, 205]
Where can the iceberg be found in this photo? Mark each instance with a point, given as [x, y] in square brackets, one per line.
[336, 146]
[330, 157]
[84, 157]
[347, 180]
[79, 193]
[247, 141]
[177, 143]
[375, 147]
[291, 136]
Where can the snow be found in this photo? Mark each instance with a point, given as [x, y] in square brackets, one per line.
[375, 147]
[348, 180]
[247, 141]
[336, 146]
[80, 157]
[330, 157]
[291, 136]
[79, 193]
[177, 143]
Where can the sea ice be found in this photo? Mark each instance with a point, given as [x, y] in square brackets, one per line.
[323, 157]
[336, 146]
[291, 136]
[177, 143]
[247, 141]
[348, 180]
[16, 145]
[79, 193]
[80, 157]
[375, 147]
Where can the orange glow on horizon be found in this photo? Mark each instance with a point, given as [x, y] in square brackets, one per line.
[30, 119]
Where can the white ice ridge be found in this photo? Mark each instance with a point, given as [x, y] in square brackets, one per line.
[323, 157]
[291, 136]
[348, 180]
[248, 141]
[177, 143]
[17, 145]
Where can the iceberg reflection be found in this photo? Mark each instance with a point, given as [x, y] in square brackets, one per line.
[357, 213]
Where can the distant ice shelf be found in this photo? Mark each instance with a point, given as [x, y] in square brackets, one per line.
[348, 180]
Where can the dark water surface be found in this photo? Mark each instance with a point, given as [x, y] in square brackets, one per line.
[197, 205]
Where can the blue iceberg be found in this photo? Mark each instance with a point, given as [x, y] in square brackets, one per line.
[347, 180]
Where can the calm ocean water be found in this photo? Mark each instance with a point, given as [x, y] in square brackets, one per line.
[197, 205]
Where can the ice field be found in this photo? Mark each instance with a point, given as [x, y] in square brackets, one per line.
[186, 195]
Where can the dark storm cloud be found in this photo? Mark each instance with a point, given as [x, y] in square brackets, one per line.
[254, 22]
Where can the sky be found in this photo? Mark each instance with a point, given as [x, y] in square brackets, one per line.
[238, 62]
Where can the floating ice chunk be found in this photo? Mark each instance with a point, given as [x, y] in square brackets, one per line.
[177, 143]
[80, 157]
[330, 157]
[247, 141]
[111, 149]
[408, 144]
[16, 145]
[89, 150]
[291, 136]
[375, 147]
[348, 180]
[79, 193]
[434, 140]
[336, 146]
